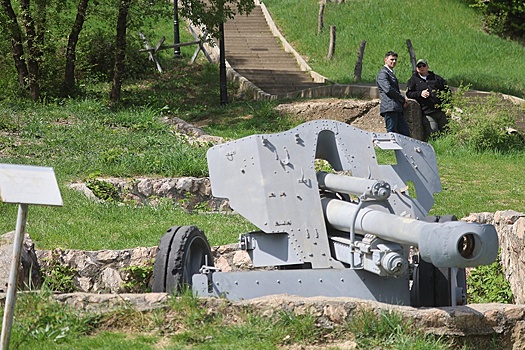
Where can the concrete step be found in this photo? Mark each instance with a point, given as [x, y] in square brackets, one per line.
[253, 51]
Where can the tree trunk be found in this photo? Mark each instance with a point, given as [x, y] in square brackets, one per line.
[40, 18]
[16, 43]
[120, 50]
[222, 68]
[69, 78]
[33, 49]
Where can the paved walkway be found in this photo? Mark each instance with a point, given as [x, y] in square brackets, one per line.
[255, 53]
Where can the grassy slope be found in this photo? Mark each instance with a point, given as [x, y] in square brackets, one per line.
[79, 138]
[447, 32]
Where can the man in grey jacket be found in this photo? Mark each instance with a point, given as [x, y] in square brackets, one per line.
[392, 101]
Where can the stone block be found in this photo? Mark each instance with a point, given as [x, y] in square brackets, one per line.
[29, 276]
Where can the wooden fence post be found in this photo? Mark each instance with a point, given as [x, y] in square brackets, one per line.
[359, 64]
[152, 51]
[320, 22]
[412, 54]
[331, 48]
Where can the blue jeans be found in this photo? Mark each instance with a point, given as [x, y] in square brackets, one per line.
[395, 122]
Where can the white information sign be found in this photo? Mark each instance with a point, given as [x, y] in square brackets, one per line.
[29, 185]
[23, 185]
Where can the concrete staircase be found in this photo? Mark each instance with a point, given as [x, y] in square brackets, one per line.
[256, 54]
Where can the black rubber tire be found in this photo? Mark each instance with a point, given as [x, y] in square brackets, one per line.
[431, 285]
[447, 218]
[183, 250]
[158, 284]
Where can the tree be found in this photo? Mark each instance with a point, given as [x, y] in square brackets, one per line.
[51, 55]
[210, 14]
[26, 60]
[120, 50]
[69, 77]
[16, 42]
[505, 18]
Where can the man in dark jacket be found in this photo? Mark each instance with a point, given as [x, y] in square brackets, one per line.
[424, 86]
[392, 101]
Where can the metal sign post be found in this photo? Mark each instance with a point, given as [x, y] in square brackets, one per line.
[23, 185]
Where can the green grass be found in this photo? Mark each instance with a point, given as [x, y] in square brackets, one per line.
[85, 137]
[86, 225]
[448, 33]
[188, 323]
[80, 139]
[476, 182]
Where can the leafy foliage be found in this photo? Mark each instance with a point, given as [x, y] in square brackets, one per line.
[487, 284]
[210, 14]
[95, 50]
[103, 189]
[58, 277]
[504, 17]
[137, 278]
[484, 123]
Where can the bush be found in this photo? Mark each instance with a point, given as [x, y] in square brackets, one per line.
[487, 284]
[505, 18]
[483, 123]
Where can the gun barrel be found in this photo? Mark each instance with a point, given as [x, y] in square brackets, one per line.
[378, 190]
[450, 244]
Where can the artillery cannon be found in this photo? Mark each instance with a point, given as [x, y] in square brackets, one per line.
[346, 232]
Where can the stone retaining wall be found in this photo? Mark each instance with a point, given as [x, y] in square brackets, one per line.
[185, 192]
[106, 277]
[511, 233]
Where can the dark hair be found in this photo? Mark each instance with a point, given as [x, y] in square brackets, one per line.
[390, 53]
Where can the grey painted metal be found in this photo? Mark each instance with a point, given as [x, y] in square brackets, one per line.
[277, 175]
[12, 285]
[23, 185]
[332, 234]
[372, 254]
[448, 244]
[307, 283]
[269, 250]
[367, 189]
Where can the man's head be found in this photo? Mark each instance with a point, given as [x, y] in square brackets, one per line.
[422, 67]
[391, 59]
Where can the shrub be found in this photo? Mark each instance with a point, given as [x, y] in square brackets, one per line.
[57, 276]
[505, 18]
[137, 278]
[487, 284]
[483, 123]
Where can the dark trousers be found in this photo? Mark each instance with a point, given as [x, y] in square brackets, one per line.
[434, 122]
[395, 122]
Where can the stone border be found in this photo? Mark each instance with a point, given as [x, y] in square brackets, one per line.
[506, 322]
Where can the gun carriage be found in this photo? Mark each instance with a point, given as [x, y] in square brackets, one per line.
[360, 230]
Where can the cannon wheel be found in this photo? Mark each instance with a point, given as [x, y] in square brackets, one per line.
[431, 285]
[182, 251]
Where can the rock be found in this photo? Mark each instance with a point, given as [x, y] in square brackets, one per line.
[361, 114]
[186, 192]
[103, 271]
[413, 116]
[29, 269]
[510, 226]
[104, 302]
[358, 113]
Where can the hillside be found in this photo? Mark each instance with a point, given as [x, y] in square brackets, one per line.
[447, 33]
